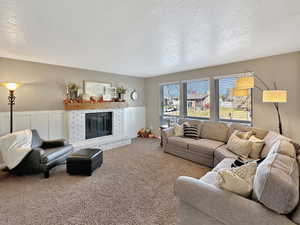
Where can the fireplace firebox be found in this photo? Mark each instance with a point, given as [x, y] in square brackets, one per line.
[98, 124]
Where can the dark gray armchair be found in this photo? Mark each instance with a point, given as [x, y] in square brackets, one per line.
[44, 156]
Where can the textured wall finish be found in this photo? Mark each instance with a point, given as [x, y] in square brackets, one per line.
[284, 69]
[44, 84]
[147, 37]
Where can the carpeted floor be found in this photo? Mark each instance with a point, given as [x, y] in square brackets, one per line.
[133, 186]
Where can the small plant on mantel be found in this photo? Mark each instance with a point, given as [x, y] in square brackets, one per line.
[121, 91]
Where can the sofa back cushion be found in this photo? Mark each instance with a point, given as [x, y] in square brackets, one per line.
[217, 131]
[259, 133]
[270, 139]
[276, 183]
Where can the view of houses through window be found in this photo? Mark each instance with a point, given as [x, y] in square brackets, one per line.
[170, 94]
[233, 108]
[197, 102]
[197, 99]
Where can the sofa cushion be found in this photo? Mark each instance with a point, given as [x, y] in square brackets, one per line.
[221, 153]
[276, 183]
[270, 139]
[210, 178]
[215, 131]
[239, 146]
[257, 146]
[224, 164]
[283, 147]
[259, 133]
[54, 153]
[178, 141]
[295, 216]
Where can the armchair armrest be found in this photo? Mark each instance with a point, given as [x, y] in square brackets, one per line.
[54, 143]
[165, 133]
[225, 206]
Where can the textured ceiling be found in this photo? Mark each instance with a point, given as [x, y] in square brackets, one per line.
[147, 37]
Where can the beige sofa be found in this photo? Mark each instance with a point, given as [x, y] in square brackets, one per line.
[276, 184]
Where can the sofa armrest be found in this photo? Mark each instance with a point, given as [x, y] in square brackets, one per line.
[54, 143]
[165, 133]
[225, 206]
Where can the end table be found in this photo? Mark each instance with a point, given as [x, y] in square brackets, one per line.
[161, 134]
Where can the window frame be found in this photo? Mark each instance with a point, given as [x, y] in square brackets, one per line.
[217, 101]
[184, 95]
[161, 85]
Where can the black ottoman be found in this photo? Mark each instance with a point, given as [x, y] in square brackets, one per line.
[84, 161]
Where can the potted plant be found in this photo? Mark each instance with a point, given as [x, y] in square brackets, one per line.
[72, 90]
[121, 91]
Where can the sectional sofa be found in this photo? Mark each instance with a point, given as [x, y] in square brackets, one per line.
[275, 196]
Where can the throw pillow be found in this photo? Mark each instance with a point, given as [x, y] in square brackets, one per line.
[244, 134]
[190, 131]
[239, 146]
[257, 146]
[178, 130]
[238, 180]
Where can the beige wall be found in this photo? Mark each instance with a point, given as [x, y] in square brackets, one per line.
[44, 84]
[284, 69]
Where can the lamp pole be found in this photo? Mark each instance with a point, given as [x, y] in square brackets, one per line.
[11, 102]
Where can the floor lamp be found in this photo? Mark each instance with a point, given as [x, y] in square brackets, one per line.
[274, 96]
[11, 100]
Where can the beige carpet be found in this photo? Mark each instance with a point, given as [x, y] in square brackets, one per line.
[133, 186]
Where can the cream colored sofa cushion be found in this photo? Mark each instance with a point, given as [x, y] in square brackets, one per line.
[239, 146]
[214, 130]
[257, 146]
[276, 183]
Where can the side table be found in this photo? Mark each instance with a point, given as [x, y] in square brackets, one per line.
[161, 134]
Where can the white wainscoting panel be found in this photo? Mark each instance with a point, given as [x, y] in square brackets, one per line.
[135, 119]
[49, 124]
[54, 124]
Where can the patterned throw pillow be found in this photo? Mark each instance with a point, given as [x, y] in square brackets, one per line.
[190, 131]
[238, 180]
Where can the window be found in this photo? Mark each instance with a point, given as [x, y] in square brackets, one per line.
[230, 107]
[197, 99]
[170, 97]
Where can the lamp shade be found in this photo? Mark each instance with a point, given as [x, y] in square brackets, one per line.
[240, 92]
[11, 86]
[277, 96]
[244, 82]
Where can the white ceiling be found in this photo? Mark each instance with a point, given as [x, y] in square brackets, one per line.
[147, 37]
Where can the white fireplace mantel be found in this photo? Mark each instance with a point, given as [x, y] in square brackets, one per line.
[76, 130]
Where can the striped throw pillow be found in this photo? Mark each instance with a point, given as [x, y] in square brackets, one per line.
[190, 131]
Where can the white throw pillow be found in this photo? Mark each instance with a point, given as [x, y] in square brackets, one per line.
[238, 180]
[178, 130]
[239, 146]
[257, 146]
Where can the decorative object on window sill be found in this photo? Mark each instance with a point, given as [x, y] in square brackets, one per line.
[11, 99]
[134, 95]
[274, 96]
[121, 91]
